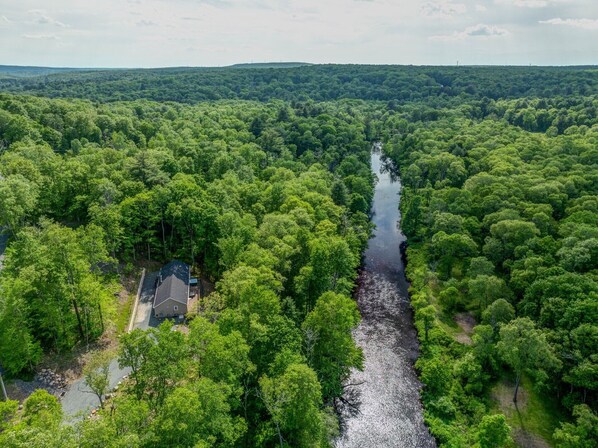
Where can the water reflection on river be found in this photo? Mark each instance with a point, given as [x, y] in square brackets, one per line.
[386, 409]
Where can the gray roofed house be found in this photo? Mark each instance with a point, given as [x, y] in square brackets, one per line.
[172, 292]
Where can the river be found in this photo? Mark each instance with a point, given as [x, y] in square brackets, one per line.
[386, 410]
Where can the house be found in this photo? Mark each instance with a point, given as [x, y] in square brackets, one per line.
[172, 291]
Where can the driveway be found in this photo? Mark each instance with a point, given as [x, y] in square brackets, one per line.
[79, 400]
[145, 318]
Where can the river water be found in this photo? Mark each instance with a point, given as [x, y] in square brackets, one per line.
[385, 409]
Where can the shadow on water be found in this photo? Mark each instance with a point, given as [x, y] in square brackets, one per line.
[381, 406]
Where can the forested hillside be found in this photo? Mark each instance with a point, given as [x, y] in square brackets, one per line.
[502, 226]
[260, 179]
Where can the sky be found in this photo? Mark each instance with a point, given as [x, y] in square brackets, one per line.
[162, 33]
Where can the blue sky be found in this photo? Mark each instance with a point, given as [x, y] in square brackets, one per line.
[157, 33]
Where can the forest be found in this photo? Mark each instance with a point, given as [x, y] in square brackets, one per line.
[392, 83]
[260, 179]
[500, 214]
[271, 200]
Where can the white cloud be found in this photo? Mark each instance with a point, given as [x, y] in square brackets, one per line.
[145, 22]
[477, 31]
[480, 8]
[588, 24]
[530, 3]
[43, 19]
[524, 3]
[41, 36]
[443, 9]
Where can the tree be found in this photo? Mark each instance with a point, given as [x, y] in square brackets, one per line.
[427, 316]
[447, 249]
[222, 358]
[165, 364]
[42, 410]
[493, 431]
[525, 349]
[129, 416]
[50, 270]
[581, 434]
[435, 375]
[18, 348]
[500, 312]
[333, 353]
[18, 198]
[8, 411]
[97, 374]
[133, 352]
[197, 416]
[486, 289]
[293, 401]
[484, 346]
[480, 266]
[331, 268]
[450, 298]
[505, 236]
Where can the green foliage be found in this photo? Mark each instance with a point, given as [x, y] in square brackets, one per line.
[330, 348]
[493, 431]
[49, 284]
[506, 180]
[478, 86]
[581, 434]
[525, 349]
[97, 374]
[271, 200]
[42, 410]
[197, 417]
[293, 400]
[499, 312]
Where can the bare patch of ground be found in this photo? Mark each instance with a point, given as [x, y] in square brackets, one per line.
[503, 395]
[466, 322]
[517, 414]
[526, 439]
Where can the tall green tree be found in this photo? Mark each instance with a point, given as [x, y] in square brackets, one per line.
[331, 350]
[293, 401]
[525, 349]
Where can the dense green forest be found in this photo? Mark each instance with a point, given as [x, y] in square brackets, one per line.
[317, 82]
[269, 199]
[260, 178]
[500, 209]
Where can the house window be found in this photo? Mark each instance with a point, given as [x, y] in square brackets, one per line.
[176, 308]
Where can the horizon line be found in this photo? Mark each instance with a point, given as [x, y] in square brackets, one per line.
[241, 64]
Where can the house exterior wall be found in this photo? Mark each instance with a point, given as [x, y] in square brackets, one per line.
[167, 309]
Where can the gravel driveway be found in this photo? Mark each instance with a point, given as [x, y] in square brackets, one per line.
[78, 400]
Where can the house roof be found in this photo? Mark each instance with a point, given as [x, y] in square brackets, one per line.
[174, 284]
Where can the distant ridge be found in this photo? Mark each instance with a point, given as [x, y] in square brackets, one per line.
[28, 71]
[270, 65]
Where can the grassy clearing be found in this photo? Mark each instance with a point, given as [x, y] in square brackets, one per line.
[534, 418]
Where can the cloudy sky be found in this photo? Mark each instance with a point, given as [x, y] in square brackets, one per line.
[157, 33]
